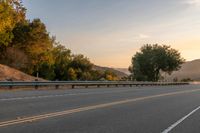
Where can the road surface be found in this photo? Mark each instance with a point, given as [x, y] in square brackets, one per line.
[152, 109]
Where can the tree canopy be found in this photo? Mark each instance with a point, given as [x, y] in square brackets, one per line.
[154, 59]
[27, 45]
[11, 12]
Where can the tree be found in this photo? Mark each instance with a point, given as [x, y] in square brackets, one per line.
[33, 39]
[82, 66]
[45, 71]
[109, 75]
[152, 59]
[14, 57]
[62, 59]
[27, 45]
[96, 75]
[11, 12]
[71, 74]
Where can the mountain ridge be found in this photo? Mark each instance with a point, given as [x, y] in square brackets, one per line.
[189, 69]
[120, 74]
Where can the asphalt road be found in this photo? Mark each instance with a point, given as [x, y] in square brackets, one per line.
[152, 109]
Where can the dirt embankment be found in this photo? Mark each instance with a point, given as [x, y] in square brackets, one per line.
[8, 73]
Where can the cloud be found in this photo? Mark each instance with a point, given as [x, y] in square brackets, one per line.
[132, 38]
[143, 36]
[192, 2]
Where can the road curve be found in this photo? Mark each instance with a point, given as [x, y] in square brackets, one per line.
[104, 110]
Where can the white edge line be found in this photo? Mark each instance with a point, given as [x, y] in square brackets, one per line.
[61, 95]
[180, 121]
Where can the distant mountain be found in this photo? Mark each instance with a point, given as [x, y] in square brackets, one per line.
[120, 74]
[124, 70]
[189, 69]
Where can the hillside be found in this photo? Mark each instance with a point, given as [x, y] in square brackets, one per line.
[117, 72]
[16, 75]
[189, 69]
[124, 70]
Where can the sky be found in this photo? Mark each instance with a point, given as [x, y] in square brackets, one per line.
[110, 32]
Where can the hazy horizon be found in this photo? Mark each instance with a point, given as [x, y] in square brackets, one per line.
[109, 32]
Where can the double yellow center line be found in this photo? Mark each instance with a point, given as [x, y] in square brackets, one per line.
[99, 106]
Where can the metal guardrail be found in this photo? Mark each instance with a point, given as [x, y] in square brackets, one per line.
[85, 84]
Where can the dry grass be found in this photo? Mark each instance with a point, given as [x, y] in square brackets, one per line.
[13, 74]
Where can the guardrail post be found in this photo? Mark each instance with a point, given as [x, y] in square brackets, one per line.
[73, 86]
[10, 86]
[36, 85]
[57, 86]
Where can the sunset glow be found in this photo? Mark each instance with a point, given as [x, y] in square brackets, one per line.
[109, 32]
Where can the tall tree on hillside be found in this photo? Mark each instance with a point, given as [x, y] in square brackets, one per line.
[32, 39]
[11, 12]
[39, 44]
[152, 59]
[27, 46]
[62, 57]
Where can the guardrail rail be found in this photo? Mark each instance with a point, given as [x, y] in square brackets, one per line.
[73, 84]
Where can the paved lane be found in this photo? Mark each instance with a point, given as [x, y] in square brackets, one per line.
[148, 115]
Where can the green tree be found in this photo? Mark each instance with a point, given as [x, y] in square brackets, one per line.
[34, 40]
[96, 75]
[82, 66]
[108, 75]
[27, 46]
[11, 12]
[46, 71]
[152, 59]
[62, 58]
[71, 74]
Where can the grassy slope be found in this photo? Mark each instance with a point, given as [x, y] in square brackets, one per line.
[10, 73]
